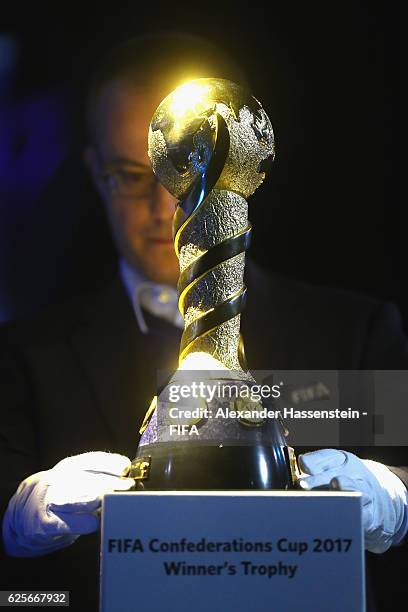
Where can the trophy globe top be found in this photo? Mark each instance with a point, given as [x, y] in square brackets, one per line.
[183, 133]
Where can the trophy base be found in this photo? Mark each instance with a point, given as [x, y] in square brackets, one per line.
[182, 466]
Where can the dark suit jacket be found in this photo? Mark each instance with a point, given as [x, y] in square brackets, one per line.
[82, 377]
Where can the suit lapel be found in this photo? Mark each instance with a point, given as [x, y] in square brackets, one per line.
[265, 346]
[119, 364]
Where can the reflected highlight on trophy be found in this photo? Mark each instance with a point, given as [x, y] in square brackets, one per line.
[210, 145]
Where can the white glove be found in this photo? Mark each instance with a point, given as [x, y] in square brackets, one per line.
[51, 509]
[384, 498]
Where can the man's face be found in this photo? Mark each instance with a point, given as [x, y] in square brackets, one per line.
[140, 210]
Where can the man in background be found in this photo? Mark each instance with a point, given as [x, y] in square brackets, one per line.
[80, 379]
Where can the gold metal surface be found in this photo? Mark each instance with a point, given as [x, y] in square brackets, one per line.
[250, 129]
[294, 468]
[140, 468]
[208, 140]
[148, 415]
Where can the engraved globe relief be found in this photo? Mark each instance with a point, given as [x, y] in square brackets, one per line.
[183, 130]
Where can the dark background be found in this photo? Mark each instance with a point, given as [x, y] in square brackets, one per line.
[332, 210]
[328, 76]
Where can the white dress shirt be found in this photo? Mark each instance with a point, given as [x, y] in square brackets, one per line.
[158, 299]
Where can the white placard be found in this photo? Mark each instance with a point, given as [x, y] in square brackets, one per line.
[232, 551]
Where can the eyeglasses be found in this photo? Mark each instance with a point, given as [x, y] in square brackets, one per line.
[126, 184]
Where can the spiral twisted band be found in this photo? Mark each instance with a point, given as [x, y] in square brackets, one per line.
[194, 200]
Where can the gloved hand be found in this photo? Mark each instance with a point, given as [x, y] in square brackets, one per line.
[384, 497]
[51, 509]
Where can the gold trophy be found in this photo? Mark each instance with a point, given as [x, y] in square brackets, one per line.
[210, 144]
